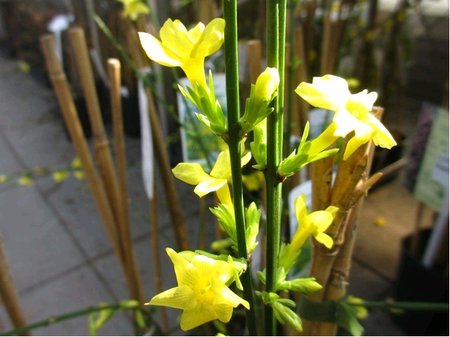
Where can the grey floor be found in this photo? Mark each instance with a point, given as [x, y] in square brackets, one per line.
[58, 252]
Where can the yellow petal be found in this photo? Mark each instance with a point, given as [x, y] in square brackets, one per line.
[181, 297]
[361, 137]
[321, 220]
[191, 319]
[156, 52]
[222, 167]
[345, 122]
[324, 239]
[211, 40]
[190, 173]
[208, 186]
[184, 270]
[326, 92]
[300, 209]
[174, 36]
[228, 297]
[223, 194]
[382, 136]
[223, 312]
[195, 33]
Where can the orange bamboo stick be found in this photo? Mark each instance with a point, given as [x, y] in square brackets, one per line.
[8, 293]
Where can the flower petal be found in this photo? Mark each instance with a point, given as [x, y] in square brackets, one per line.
[181, 297]
[382, 136]
[174, 36]
[210, 185]
[185, 272]
[324, 239]
[191, 319]
[195, 33]
[211, 40]
[321, 220]
[157, 52]
[190, 173]
[326, 92]
[228, 297]
[222, 167]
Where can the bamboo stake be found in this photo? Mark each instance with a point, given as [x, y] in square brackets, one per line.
[119, 142]
[168, 180]
[72, 122]
[206, 10]
[8, 292]
[104, 159]
[350, 185]
[65, 100]
[337, 284]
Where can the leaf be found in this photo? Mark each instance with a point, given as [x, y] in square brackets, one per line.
[346, 317]
[98, 319]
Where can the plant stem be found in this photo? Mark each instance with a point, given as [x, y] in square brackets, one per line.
[412, 306]
[232, 89]
[276, 20]
[70, 315]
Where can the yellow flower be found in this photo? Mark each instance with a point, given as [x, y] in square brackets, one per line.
[184, 48]
[202, 292]
[315, 223]
[352, 111]
[133, 8]
[215, 181]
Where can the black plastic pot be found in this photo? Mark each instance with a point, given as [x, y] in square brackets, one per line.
[416, 283]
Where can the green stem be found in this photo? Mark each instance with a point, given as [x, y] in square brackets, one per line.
[412, 306]
[276, 20]
[232, 89]
[67, 316]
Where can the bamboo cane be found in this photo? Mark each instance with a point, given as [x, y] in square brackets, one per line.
[119, 143]
[8, 293]
[206, 10]
[350, 185]
[104, 160]
[66, 103]
[168, 180]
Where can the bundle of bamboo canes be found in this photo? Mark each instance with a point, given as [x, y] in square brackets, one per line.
[107, 183]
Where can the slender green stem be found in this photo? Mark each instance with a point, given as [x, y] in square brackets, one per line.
[411, 306]
[70, 315]
[232, 89]
[273, 186]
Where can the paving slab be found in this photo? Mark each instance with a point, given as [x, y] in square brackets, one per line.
[36, 243]
[73, 291]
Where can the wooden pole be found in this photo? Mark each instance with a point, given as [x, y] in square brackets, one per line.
[8, 292]
[119, 143]
[350, 185]
[70, 115]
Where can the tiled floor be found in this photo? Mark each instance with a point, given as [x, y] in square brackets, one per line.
[58, 252]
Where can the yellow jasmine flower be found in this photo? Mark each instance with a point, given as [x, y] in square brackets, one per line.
[184, 48]
[352, 111]
[202, 292]
[315, 223]
[133, 8]
[215, 181]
